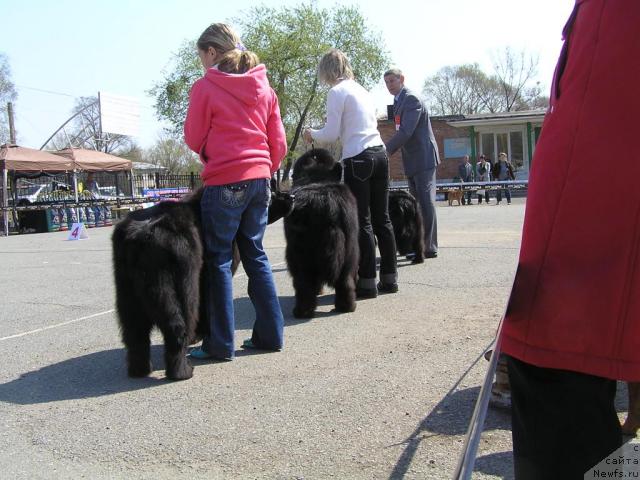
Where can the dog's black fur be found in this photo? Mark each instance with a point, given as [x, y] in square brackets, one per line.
[407, 224]
[158, 259]
[322, 234]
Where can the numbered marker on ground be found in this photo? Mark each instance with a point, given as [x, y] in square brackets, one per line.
[77, 232]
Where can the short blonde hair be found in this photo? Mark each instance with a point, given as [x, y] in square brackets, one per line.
[333, 66]
[235, 57]
[396, 72]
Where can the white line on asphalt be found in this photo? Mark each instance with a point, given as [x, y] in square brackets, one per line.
[38, 330]
[56, 326]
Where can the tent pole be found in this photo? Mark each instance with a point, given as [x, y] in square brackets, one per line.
[75, 192]
[5, 202]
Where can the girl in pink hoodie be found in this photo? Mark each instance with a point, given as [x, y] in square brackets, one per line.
[234, 124]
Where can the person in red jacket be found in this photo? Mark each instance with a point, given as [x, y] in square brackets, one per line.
[572, 326]
[233, 123]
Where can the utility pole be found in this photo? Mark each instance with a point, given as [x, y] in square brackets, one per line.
[12, 128]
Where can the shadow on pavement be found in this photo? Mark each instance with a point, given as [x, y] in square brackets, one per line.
[104, 373]
[451, 416]
[497, 464]
[92, 375]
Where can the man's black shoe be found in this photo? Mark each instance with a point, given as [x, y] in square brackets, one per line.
[431, 255]
[387, 287]
[364, 293]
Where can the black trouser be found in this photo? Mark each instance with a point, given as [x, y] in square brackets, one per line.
[486, 196]
[367, 175]
[507, 193]
[467, 194]
[563, 422]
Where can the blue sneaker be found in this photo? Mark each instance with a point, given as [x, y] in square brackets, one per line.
[199, 354]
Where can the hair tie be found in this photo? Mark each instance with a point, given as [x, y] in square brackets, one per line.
[241, 47]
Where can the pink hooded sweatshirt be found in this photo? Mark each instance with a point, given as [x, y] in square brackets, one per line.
[234, 123]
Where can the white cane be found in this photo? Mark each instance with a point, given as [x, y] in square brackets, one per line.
[467, 458]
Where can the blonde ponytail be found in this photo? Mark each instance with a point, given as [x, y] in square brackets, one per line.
[235, 57]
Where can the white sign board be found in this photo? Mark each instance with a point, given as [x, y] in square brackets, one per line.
[77, 232]
[119, 114]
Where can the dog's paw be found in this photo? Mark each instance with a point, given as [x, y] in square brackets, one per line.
[139, 369]
[345, 307]
[303, 312]
[183, 371]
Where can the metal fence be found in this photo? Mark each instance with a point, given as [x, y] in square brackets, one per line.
[35, 200]
[123, 186]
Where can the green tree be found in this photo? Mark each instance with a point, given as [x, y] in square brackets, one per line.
[290, 41]
[173, 154]
[172, 92]
[7, 94]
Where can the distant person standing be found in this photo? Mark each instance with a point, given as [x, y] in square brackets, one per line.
[465, 172]
[419, 152]
[503, 170]
[483, 174]
[91, 184]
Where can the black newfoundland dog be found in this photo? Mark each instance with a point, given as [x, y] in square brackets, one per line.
[321, 231]
[158, 259]
[407, 224]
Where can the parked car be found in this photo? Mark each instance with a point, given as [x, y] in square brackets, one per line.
[104, 193]
[31, 193]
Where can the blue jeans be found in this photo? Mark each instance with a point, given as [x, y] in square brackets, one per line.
[507, 193]
[239, 211]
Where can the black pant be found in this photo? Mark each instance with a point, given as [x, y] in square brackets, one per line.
[563, 422]
[507, 193]
[486, 197]
[367, 175]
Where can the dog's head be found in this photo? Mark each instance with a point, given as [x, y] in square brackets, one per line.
[316, 166]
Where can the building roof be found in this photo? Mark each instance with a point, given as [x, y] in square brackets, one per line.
[148, 167]
[502, 118]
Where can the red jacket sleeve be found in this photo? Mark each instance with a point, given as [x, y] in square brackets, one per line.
[198, 121]
[276, 136]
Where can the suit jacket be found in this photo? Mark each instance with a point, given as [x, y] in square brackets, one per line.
[415, 136]
[465, 172]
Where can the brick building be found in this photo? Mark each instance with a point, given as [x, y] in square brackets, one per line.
[514, 133]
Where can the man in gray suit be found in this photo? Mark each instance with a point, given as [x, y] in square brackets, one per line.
[419, 153]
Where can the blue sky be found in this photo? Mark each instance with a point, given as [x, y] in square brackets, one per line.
[73, 48]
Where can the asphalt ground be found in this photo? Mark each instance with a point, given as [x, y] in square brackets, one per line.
[385, 392]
